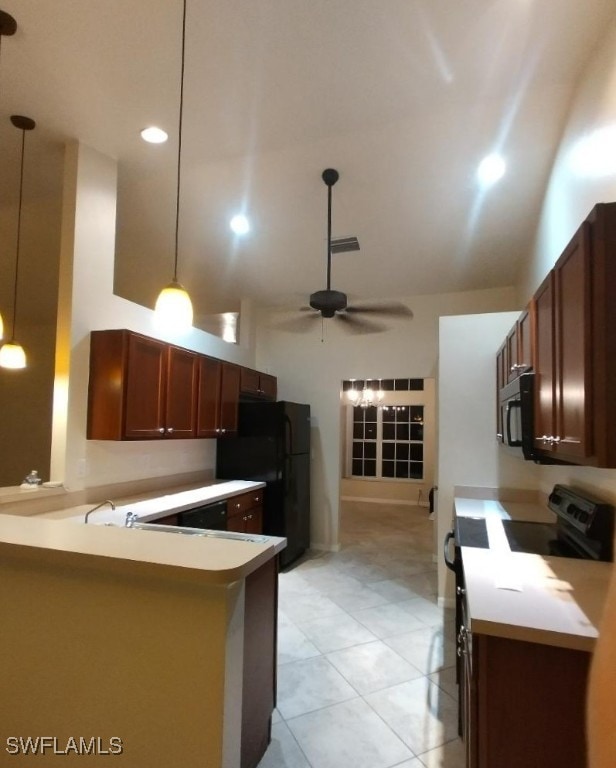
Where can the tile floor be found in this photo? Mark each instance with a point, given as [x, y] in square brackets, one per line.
[366, 675]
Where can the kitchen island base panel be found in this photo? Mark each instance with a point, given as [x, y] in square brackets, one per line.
[530, 704]
[98, 646]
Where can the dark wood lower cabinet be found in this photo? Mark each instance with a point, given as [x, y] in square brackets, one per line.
[524, 704]
[259, 688]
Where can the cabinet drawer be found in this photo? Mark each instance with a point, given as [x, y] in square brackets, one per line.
[245, 501]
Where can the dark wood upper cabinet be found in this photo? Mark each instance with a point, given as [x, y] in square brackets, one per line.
[140, 388]
[143, 389]
[219, 391]
[258, 385]
[573, 328]
[181, 393]
[229, 398]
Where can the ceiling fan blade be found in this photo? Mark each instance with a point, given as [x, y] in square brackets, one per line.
[357, 325]
[389, 309]
[299, 324]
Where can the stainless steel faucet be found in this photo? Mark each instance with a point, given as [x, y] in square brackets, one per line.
[98, 506]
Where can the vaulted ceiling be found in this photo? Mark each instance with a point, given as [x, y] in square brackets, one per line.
[402, 97]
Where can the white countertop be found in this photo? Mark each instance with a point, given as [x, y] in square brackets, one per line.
[216, 560]
[549, 600]
[158, 506]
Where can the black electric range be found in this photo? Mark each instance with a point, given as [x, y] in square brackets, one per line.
[584, 528]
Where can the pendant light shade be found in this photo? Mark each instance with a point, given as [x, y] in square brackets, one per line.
[12, 354]
[173, 310]
[8, 27]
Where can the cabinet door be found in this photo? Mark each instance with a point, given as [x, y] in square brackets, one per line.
[254, 520]
[573, 362]
[208, 398]
[268, 385]
[249, 381]
[524, 331]
[181, 399]
[545, 425]
[511, 354]
[144, 415]
[229, 398]
[237, 523]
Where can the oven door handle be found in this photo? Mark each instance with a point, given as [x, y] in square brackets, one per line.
[510, 406]
[449, 563]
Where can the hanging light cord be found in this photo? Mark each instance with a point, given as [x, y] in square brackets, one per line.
[21, 188]
[177, 197]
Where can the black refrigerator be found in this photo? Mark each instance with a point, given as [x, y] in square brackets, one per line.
[273, 446]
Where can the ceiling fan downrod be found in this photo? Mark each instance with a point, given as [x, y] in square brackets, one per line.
[330, 176]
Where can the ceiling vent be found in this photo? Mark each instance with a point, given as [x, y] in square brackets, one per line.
[343, 244]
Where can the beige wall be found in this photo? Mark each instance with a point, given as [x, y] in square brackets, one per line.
[26, 395]
[310, 370]
[88, 242]
[391, 491]
[575, 186]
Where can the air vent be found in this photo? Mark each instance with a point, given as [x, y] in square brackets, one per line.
[343, 244]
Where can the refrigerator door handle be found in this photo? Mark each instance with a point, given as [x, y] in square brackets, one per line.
[288, 435]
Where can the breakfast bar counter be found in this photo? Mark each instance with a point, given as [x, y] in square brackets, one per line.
[164, 641]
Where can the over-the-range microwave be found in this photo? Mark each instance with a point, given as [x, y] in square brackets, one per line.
[516, 401]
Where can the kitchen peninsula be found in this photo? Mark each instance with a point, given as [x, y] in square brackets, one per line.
[164, 641]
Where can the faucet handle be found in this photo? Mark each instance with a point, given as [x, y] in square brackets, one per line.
[131, 517]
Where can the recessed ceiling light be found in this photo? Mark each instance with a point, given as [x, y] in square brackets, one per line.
[154, 135]
[491, 169]
[240, 224]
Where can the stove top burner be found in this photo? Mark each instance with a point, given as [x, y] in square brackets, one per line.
[584, 529]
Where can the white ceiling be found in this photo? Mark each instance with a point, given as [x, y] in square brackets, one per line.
[403, 97]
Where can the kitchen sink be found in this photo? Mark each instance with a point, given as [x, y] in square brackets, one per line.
[204, 533]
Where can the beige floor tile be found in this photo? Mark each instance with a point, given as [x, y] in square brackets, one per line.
[293, 645]
[304, 686]
[372, 666]
[421, 713]
[446, 679]
[283, 751]
[334, 632]
[348, 735]
[450, 755]
[387, 620]
[301, 608]
[426, 648]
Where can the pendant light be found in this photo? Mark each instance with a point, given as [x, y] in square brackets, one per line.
[12, 354]
[173, 310]
[8, 27]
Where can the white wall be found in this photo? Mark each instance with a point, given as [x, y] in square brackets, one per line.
[584, 174]
[468, 451]
[88, 303]
[310, 370]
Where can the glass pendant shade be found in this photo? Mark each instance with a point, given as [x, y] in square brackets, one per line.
[173, 310]
[12, 355]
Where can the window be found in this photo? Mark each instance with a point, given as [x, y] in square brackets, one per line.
[387, 442]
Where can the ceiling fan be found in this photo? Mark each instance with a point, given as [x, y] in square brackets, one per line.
[329, 303]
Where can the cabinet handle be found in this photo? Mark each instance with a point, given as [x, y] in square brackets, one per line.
[170, 431]
[238, 505]
[223, 431]
[249, 517]
[244, 518]
[555, 440]
[161, 430]
[499, 435]
[571, 441]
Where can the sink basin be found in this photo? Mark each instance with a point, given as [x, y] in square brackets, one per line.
[204, 533]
